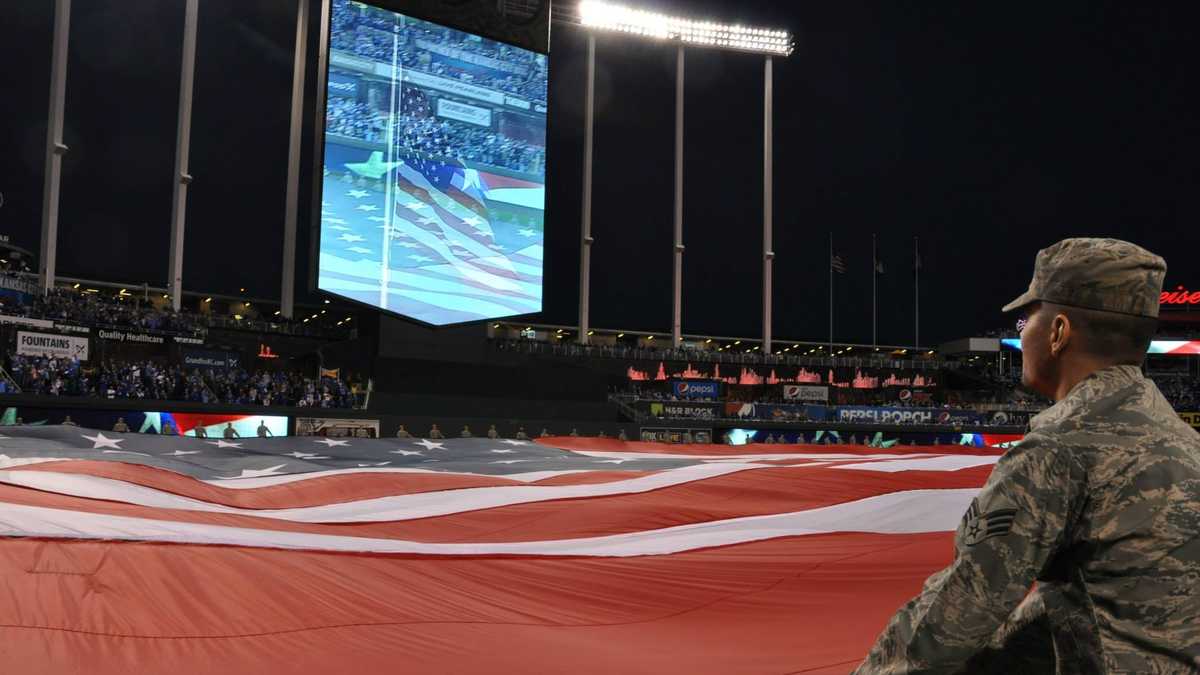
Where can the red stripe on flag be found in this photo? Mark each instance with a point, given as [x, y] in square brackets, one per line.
[803, 604]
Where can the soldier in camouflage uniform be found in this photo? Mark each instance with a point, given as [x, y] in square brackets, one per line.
[1100, 504]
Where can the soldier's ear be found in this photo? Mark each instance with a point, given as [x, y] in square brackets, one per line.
[1060, 333]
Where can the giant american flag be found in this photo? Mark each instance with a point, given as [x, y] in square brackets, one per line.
[126, 553]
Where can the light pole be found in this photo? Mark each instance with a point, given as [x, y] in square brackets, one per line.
[287, 296]
[585, 241]
[55, 148]
[182, 178]
[686, 33]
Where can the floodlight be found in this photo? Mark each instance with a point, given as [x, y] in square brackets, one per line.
[622, 19]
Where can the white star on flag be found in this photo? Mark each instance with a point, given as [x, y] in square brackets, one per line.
[335, 221]
[351, 238]
[255, 473]
[340, 228]
[358, 194]
[123, 452]
[427, 221]
[331, 443]
[359, 249]
[306, 455]
[178, 453]
[511, 461]
[224, 444]
[613, 461]
[101, 441]
[430, 445]
[497, 247]
[367, 207]
[377, 219]
[408, 244]
[473, 221]
[526, 232]
[421, 258]
[407, 452]
[504, 452]
[415, 205]
[375, 464]
[515, 442]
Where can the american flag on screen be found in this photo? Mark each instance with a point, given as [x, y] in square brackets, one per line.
[138, 553]
[456, 246]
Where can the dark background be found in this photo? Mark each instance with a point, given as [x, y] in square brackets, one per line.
[989, 130]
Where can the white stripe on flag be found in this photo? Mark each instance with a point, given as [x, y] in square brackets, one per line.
[909, 512]
[391, 508]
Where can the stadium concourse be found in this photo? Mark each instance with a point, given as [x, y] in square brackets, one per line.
[412, 555]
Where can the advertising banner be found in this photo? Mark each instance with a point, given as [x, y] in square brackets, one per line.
[770, 411]
[331, 427]
[72, 328]
[130, 337]
[210, 358]
[443, 84]
[211, 425]
[693, 389]
[874, 415]
[514, 102]
[43, 344]
[1011, 418]
[22, 321]
[885, 415]
[464, 113]
[684, 410]
[802, 392]
[351, 62]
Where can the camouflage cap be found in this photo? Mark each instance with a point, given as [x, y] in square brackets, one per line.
[1105, 274]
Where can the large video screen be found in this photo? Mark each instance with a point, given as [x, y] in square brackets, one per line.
[433, 196]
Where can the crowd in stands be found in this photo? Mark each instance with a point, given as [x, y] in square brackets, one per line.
[60, 376]
[443, 138]
[67, 305]
[71, 306]
[369, 33]
[642, 352]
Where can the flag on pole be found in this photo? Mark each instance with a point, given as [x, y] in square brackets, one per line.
[838, 264]
[878, 266]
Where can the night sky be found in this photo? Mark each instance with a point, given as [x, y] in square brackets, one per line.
[989, 130]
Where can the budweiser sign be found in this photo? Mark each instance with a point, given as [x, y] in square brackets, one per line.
[1179, 296]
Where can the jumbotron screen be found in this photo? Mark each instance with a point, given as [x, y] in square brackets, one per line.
[433, 195]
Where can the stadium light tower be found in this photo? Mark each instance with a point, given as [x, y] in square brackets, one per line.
[684, 32]
[55, 148]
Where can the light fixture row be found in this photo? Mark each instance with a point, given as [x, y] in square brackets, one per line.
[603, 15]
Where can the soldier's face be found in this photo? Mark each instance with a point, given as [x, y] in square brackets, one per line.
[1039, 368]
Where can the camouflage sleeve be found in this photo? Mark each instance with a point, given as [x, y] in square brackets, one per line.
[1005, 540]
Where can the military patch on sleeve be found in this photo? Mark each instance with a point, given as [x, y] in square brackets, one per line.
[978, 526]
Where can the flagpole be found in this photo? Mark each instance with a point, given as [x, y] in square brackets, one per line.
[874, 278]
[831, 293]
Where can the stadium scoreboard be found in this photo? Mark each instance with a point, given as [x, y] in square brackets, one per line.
[432, 186]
